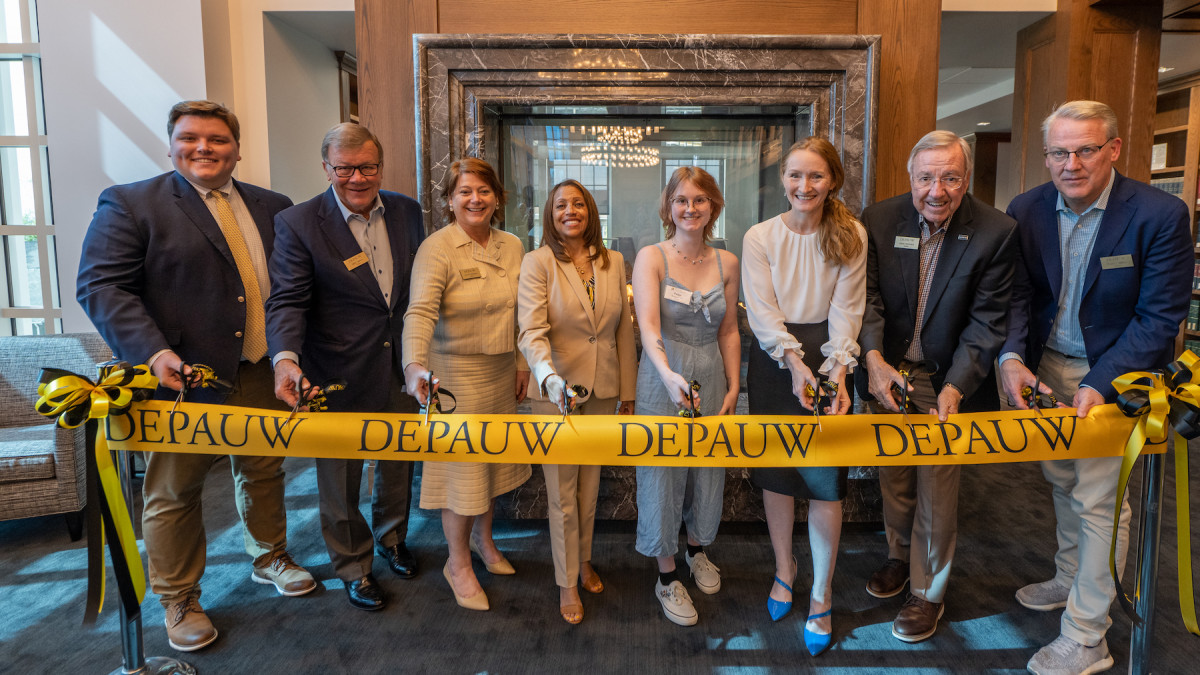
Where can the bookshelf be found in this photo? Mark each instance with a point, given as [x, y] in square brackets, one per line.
[1175, 168]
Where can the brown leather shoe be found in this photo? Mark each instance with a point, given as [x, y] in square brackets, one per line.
[188, 627]
[917, 619]
[888, 580]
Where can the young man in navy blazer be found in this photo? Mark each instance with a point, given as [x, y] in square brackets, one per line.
[1101, 287]
[167, 284]
[339, 288]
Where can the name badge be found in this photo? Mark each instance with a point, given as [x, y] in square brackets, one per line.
[355, 262]
[679, 295]
[910, 243]
[471, 273]
[1116, 262]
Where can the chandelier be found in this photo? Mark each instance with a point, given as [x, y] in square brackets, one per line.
[619, 146]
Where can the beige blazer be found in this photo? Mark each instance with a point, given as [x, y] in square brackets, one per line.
[561, 333]
[463, 298]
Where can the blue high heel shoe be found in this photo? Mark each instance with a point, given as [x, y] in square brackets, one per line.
[816, 642]
[779, 608]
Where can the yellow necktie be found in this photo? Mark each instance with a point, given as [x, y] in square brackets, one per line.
[254, 345]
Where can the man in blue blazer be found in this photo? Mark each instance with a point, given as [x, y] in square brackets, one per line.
[174, 272]
[1101, 287]
[339, 288]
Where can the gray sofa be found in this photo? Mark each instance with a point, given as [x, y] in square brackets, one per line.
[42, 465]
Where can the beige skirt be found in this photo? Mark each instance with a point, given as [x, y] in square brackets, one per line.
[483, 385]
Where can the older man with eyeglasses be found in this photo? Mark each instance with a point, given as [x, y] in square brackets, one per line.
[339, 287]
[1100, 289]
[939, 270]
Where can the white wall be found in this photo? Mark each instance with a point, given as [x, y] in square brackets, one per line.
[302, 103]
[110, 73]
[112, 70]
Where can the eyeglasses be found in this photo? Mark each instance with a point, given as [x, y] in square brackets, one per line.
[1084, 154]
[364, 169]
[948, 182]
[683, 202]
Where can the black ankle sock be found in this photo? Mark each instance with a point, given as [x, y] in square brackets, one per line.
[665, 578]
[695, 550]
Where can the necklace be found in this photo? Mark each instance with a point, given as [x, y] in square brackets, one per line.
[699, 259]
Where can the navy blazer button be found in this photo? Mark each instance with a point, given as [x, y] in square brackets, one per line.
[238, 334]
[241, 298]
[387, 345]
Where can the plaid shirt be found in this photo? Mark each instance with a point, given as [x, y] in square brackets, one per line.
[931, 250]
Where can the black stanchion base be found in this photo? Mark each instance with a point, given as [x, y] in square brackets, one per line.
[159, 665]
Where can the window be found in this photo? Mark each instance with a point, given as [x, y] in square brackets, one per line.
[29, 298]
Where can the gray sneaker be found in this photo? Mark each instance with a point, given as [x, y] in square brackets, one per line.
[1065, 656]
[706, 574]
[1044, 596]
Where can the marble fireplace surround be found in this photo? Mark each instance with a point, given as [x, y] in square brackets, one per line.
[458, 77]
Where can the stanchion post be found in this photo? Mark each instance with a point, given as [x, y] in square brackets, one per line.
[132, 651]
[1141, 640]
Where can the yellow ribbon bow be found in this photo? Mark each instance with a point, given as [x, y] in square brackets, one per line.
[1162, 403]
[74, 400]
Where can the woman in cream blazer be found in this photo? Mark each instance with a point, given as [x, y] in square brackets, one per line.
[576, 329]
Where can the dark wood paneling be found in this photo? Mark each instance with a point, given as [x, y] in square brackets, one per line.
[908, 82]
[986, 157]
[383, 30]
[769, 17]
[1036, 81]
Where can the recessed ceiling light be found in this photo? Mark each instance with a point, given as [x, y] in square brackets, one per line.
[1165, 69]
[982, 124]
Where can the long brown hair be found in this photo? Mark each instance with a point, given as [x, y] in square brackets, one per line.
[837, 236]
[701, 179]
[592, 235]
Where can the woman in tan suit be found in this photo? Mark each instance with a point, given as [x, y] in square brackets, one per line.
[575, 329]
[461, 324]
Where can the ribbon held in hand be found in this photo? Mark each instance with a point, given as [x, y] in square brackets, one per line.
[74, 400]
[1162, 402]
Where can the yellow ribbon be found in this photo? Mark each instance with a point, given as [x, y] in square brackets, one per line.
[73, 400]
[1153, 427]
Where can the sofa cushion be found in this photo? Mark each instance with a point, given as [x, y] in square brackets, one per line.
[27, 453]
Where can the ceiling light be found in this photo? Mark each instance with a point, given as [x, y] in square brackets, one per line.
[983, 124]
[1165, 69]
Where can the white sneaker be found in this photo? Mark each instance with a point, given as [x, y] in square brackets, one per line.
[285, 575]
[706, 574]
[1044, 596]
[676, 603]
[1065, 656]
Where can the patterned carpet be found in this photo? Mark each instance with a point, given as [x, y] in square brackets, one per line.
[1006, 539]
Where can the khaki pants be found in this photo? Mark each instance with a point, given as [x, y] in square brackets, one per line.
[1085, 495]
[173, 518]
[571, 493]
[920, 511]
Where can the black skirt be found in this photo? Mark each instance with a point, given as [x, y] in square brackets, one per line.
[769, 392]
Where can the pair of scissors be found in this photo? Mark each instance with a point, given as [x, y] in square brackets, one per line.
[314, 397]
[202, 376]
[1035, 399]
[909, 374]
[693, 394]
[434, 403]
[572, 394]
[828, 392]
